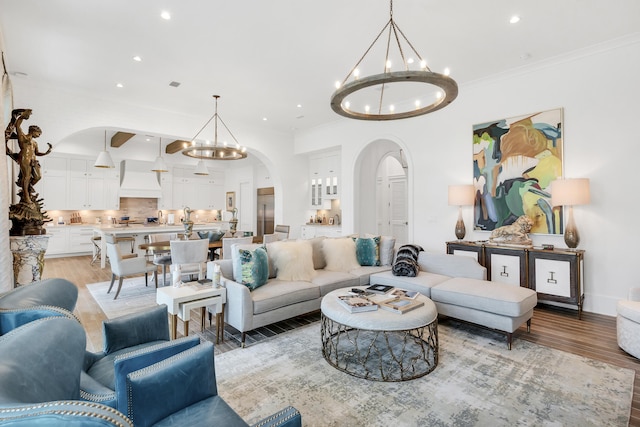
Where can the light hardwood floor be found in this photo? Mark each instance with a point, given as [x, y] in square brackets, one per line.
[594, 336]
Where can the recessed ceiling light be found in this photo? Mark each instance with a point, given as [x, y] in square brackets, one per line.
[264, 119]
[299, 105]
[119, 85]
[165, 15]
[514, 19]
[137, 58]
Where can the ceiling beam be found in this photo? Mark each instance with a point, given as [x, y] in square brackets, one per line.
[120, 138]
[175, 146]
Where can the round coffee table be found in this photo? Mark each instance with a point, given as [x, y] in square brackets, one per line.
[380, 345]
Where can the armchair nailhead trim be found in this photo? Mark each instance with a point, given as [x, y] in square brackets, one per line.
[59, 310]
[292, 412]
[49, 408]
[93, 397]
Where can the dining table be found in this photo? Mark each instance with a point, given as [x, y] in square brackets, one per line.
[163, 246]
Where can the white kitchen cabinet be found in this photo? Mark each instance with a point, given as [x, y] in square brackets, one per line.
[80, 239]
[58, 240]
[311, 231]
[52, 188]
[166, 185]
[197, 192]
[112, 189]
[86, 186]
[324, 178]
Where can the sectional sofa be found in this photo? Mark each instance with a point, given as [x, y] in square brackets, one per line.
[456, 284]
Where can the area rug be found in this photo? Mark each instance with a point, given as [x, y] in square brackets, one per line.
[477, 382]
[134, 296]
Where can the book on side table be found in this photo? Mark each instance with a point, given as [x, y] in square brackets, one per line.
[397, 292]
[400, 305]
[356, 303]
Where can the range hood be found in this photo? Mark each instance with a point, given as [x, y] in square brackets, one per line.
[137, 180]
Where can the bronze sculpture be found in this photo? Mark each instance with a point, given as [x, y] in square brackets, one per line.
[27, 216]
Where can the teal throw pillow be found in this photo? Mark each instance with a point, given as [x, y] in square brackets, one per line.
[254, 265]
[368, 251]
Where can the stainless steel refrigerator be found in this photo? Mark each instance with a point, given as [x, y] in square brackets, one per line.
[265, 211]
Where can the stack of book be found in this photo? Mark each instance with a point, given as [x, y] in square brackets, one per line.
[356, 303]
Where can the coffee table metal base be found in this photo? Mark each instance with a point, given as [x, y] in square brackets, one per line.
[380, 355]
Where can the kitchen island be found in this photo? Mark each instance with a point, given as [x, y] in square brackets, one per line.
[139, 231]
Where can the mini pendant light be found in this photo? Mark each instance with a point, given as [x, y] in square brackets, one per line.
[160, 165]
[201, 168]
[104, 159]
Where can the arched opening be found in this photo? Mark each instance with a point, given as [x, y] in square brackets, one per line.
[381, 184]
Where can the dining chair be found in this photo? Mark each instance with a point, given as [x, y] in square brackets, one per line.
[228, 241]
[269, 238]
[122, 267]
[282, 231]
[190, 255]
[160, 257]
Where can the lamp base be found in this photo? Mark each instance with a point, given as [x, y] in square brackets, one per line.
[571, 236]
[461, 231]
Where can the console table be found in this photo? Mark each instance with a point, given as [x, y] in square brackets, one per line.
[557, 275]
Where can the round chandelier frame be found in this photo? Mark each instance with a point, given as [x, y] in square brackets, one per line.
[215, 151]
[447, 85]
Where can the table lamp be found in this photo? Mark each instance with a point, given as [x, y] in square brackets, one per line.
[570, 192]
[461, 195]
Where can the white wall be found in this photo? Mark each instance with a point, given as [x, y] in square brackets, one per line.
[599, 92]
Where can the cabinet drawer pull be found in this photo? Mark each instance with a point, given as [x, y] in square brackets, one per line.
[551, 279]
[504, 273]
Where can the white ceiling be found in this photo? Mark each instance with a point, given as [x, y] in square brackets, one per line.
[266, 57]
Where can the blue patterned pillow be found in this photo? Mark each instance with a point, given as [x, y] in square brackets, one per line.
[254, 266]
[368, 251]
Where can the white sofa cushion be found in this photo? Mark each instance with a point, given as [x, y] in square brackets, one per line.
[422, 283]
[493, 297]
[282, 293]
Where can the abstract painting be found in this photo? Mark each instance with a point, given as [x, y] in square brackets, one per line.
[514, 162]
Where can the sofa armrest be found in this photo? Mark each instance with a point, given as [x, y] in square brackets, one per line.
[451, 265]
[288, 417]
[177, 382]
[134, 329]
[239, 307]
[135, 360]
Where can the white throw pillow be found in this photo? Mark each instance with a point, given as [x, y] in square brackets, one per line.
[292, 260]
[387, 248]
[340, 254]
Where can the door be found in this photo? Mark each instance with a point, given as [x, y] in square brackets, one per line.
[265, 208]
[398, 218]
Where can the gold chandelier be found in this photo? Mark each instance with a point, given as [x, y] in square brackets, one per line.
[215, 151]
[411, 90]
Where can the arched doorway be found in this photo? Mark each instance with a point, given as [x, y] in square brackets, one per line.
[382, 187]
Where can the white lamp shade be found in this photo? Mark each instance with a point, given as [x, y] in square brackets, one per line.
[201, 168]
[570, 192]
[461, 195]
[104, 160]
[160, 165]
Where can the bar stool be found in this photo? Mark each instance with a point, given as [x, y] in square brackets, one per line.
[96, 250]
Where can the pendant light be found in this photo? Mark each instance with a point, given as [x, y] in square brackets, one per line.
[160, 165]
[391, 95]
[104, 159]
[201, 168]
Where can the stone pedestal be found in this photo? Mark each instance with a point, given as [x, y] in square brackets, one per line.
[28, 258]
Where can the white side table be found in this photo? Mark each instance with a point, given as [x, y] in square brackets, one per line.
[180, 301]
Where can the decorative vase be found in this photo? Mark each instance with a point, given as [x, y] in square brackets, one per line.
[188, 224]
[461, 231]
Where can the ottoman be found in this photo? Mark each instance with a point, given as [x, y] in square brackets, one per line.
[491, 304]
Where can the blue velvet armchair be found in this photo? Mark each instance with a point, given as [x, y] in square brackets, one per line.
[186, 386]
[40, 376]
[50, 292]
